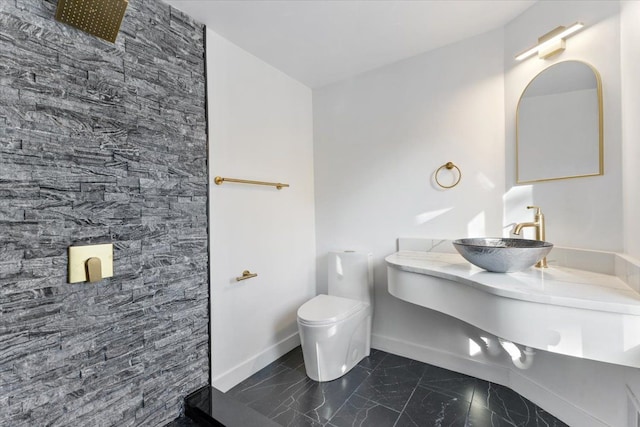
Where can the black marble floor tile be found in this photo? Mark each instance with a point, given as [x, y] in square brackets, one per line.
[293, 359]
[505, 402]
[182, 422]
[320, 401]
[261, 383]
[448, 382]
[210, 407]
[401, 366]
[428, 407]
[392, 381]
[269, 388]
[373, 360]
[359, 411]
[545, 419]
[286, 416]
[384, 390]
[435, 373]
[480, 416]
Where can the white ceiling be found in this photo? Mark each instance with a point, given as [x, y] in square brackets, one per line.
[320, 42]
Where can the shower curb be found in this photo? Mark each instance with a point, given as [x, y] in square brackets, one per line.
[210, 407]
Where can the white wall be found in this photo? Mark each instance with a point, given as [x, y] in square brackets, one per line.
[260, 128]
[630, 59]
[378, 140]
[582, 212]
[380, 137]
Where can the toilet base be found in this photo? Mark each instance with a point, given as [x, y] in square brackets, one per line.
[328, 355]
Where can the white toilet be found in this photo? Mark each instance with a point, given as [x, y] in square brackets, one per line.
[335, 329]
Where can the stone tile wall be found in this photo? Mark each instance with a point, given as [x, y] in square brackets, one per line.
[102, 143]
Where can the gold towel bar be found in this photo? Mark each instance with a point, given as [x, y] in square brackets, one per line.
[449, 166]
[246, 275]
[219, 180]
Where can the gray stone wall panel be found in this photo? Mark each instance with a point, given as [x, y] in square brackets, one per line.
[102, 142]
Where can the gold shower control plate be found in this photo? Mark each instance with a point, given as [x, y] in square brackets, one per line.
[101, 18]
[79, 255]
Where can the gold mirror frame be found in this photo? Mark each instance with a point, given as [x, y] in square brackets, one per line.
[600, 128]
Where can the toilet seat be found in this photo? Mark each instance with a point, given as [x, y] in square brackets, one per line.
[328, 309]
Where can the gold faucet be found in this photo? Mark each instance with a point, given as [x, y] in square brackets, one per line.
[538, 224]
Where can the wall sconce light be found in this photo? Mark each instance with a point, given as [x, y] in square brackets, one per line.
[551, 43]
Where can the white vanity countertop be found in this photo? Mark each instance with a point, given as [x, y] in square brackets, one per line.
[560, 286]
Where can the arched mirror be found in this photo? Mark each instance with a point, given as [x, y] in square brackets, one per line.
[559, 124]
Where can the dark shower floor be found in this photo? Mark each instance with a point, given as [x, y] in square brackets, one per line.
[383, 390]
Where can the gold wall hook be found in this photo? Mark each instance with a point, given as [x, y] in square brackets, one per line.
[94, 269]
[246, 275]
[448, 166]
[90, 262]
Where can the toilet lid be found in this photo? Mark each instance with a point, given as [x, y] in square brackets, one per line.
[325, 309]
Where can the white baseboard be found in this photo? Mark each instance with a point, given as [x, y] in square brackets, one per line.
[245, 369]
[633, 408]
[553, 403]
[488, 371]
[506, 375]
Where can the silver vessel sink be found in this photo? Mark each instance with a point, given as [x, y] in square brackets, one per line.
[502, 255]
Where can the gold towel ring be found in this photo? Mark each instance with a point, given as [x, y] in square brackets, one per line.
[449, 166]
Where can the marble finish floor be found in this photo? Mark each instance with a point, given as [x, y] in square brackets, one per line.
[384, 390]
[182, 422]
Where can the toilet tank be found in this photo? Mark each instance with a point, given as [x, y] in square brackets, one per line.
[350, 275]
